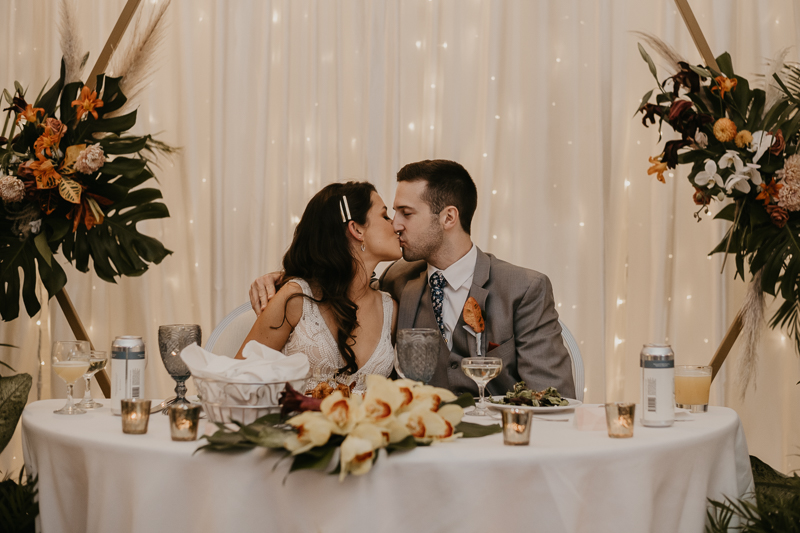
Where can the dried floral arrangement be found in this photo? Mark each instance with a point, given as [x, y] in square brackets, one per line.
[741, 144]
[71, 174]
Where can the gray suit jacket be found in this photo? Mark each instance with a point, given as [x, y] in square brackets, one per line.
[520, 316]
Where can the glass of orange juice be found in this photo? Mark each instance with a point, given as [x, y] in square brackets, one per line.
[692, 386]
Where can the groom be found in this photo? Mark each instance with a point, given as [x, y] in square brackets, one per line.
[441, 268]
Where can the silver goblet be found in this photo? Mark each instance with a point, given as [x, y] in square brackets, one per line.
[171, 341]
[417, 353]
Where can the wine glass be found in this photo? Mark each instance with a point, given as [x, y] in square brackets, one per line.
[70, 361]
[481, 370]
[417, 353]
[172, 340]
[97, 362]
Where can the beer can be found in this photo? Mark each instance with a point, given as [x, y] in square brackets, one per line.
[127, 370]
[657, 362]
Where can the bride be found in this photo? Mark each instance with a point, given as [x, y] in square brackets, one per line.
[325, 307]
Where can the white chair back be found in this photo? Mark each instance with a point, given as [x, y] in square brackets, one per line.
[229, 334]
[577, 360]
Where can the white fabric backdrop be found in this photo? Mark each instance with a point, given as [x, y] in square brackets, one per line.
[272, 100]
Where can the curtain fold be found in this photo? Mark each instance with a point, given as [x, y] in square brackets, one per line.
[271, 100]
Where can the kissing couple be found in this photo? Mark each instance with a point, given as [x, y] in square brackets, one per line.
[328, 305]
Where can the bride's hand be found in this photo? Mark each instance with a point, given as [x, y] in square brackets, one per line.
[263, 289]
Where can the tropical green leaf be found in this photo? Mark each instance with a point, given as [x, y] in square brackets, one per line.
[644, 100]
[725, 64]
[408, 443]
[125, 166]
[49, 100]
[317, 458]
[470, 430]
[112, 97]
[18, 504]
[115, 145]
[464, 400]
[756, 108]
[110, 125]
[13, 397]
[649, 61]
[44, 250]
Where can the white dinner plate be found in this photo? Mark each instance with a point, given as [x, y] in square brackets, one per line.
[540, 410]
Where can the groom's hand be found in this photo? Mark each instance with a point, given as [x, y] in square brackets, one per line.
[263, 289]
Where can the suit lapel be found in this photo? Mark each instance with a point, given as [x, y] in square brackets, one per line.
[409, 301]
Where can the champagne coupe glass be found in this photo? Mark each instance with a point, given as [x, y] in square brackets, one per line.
[97, 362]
[481, 370]
[172, 340]
[417, 353]
[70, 361]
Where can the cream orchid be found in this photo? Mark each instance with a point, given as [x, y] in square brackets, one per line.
[427, 426]
[356, 456]
[382, 399]
[739, 182]
[430, 398]
[751, 170]
[343, 412]
[708, 177]
[312, 429]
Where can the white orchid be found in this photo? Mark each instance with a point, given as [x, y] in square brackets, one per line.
[701, 139]
[761, 143]
[731, 157]
[738, 182]
[709, 176]
[753, 173]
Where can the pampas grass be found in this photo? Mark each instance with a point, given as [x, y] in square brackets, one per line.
[752, 326]
[137, 60]
[74, 54]
[662, 50]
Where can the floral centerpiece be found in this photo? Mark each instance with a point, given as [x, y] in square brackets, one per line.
[741, 144]
[392, 415]
[71, 176]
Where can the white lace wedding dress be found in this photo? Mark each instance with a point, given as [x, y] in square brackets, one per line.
[312, 337]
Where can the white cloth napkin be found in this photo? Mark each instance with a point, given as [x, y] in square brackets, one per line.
[260, 364]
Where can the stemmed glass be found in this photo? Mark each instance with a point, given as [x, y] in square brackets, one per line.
[481, 370]
[97, 362]
[171, 341]
[417, 353]
[70, 361]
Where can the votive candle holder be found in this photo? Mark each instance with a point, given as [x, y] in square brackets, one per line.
[135, 415]
[619, 419]
[516, 427]
[183, 421]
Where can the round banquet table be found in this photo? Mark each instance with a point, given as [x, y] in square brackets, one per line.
[94, 478]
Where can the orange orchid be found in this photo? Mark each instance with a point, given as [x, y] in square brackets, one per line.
[44, 144]
[87, 102]
[769, 191]
[724, 85]
[658, 168]
[45, 172]
[30, 113]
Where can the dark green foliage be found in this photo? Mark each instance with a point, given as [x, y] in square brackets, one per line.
[18, 505]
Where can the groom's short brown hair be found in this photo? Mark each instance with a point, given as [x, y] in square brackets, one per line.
[447, 183]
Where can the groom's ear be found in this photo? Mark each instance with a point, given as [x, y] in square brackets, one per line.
[449, 217]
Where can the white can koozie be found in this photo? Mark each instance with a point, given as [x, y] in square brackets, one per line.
[657, 362]
[127, 370]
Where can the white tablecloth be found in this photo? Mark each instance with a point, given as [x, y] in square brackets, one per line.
[94, 478]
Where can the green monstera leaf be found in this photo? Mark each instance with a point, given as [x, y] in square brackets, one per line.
[13, 397]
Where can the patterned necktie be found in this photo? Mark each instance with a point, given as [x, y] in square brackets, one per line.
[438, 284]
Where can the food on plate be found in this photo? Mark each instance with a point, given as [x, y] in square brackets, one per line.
[522, 395]
[323, 390]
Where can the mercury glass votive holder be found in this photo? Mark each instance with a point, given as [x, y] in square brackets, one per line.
[183, 421]
[619, 419]
[135, 415]
[516, 427]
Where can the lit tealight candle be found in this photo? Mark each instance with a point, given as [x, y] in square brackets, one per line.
[183, 421]
[516, 427]
[135, 415]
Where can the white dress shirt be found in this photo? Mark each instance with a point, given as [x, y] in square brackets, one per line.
[459, 280]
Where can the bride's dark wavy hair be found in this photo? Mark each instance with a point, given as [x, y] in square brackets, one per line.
[320, 254]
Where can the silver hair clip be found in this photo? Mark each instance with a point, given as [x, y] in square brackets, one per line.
[343, 202]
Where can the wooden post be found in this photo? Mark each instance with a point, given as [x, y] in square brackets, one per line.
[113, 42]
[705, 51]
[81, 334]
[64, 301]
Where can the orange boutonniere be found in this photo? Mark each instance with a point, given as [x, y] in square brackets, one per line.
[474, 320]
